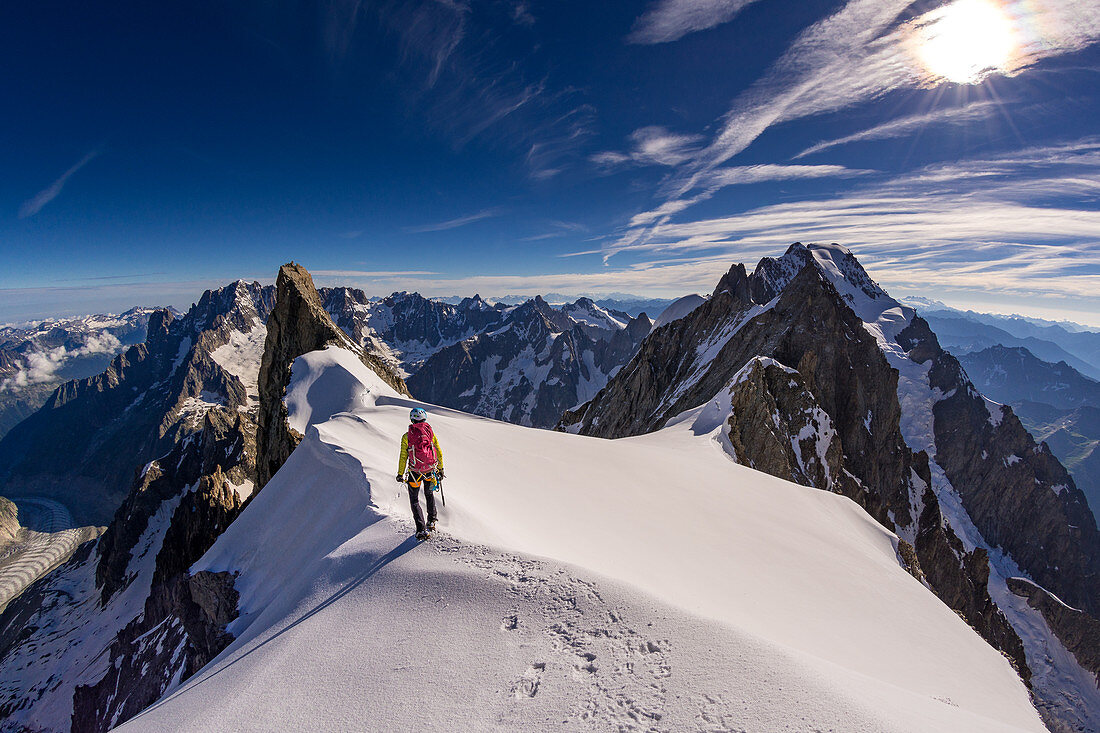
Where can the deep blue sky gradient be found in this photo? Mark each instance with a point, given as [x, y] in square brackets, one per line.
[229, 137]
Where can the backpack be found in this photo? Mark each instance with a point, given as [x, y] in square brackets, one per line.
[422, 458]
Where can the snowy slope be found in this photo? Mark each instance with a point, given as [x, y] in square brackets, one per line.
[679, 308]
[677, 590]
[241, 357]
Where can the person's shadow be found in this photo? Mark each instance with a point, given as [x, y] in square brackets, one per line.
[404, 547]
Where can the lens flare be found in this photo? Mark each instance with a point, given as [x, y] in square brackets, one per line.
[968, 40]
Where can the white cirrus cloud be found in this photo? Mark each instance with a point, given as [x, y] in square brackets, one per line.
[869, 48]
[1012, 226]
[671, 20]
[652, 145]
[34, 204]
[461, 221]
[735, 175]
[903, 126]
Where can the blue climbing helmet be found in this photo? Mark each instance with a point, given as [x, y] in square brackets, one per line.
[418, 414]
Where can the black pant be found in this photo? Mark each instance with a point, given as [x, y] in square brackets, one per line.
[429, 499]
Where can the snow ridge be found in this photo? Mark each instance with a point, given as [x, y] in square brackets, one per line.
[570, 638]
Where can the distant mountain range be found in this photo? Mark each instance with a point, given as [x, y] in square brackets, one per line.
[36, 358]
[806, 370]
[966, 331]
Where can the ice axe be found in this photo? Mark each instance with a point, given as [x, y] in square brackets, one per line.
[439, 488]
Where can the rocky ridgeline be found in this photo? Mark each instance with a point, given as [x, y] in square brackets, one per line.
[121, 647]
[298, 325]
[148, 399]
[536, 364]
[405, 329]
[129, 598]
[1078, 631]
[814, 397]
[1016, 492]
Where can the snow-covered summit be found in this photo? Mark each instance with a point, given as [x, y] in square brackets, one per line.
[585, 311]
[836, 262]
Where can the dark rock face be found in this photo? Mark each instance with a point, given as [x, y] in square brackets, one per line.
[298, 324]
[769, 404]
[812, 400]
[1017, 493]
[1056, 404]
[223, 442]
[83, 446]
[146, 660]
[535, 365]
[1078, 631]
[808, 328]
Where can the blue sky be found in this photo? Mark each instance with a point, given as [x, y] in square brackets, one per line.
[515, 146]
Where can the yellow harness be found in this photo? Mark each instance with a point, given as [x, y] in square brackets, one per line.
[415, 479]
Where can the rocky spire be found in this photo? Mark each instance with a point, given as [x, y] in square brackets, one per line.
[298, 324]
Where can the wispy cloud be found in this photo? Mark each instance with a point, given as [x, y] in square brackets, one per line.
[869, 48]
[742, 175]
[913, 123]
[559, 229]
[431, 30]
[132, 276]
[33, 205]
[652, 146]
[521, 14]
[558, 141]
[1018, 225]
[861, 52]
[670, 20]
[372, 273]
[456, 223]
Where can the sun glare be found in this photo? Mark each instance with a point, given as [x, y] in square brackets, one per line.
[968, 40]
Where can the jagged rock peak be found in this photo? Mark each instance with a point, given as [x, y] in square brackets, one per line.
[474, 303]
[159, 323]
[834, 261]
[638, 328]
[298, 324]
[736, 283]
[238, 305]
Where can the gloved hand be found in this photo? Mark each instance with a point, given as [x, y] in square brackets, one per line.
[440, 471]
[400, 479]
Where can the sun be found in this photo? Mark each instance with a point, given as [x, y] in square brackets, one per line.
[967, 40]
